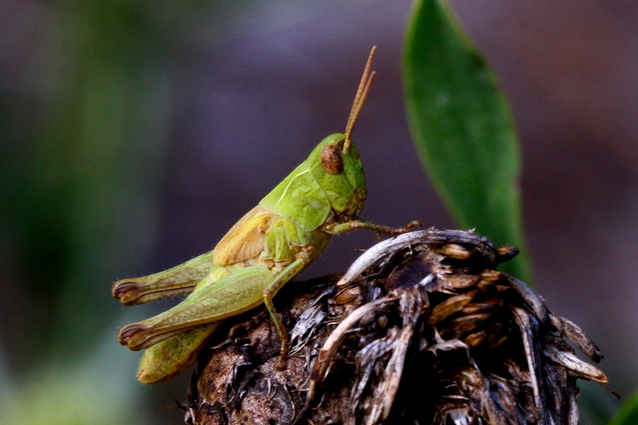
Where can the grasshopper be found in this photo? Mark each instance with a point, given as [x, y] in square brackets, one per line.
[266, 248]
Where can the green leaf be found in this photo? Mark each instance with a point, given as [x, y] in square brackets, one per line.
[628, 412]
[463, 128]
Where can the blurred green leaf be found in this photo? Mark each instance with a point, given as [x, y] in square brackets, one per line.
[628, 413]
[596, 404]
[463, 129]
[95, 389]
[84, 203]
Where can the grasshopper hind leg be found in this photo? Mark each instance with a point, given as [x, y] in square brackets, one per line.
[212, 300]
[179, 280]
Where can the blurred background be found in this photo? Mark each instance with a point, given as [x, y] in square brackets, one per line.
[133, 134]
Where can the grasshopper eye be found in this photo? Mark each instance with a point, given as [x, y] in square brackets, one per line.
[331, 160]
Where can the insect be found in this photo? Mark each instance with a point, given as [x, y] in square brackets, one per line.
[266, 248]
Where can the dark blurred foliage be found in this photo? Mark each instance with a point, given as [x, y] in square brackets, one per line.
[135, 133]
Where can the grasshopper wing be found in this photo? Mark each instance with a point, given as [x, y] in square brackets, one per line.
[245, 240]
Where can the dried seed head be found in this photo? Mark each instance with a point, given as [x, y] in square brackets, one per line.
[480, 346]
[483, 346]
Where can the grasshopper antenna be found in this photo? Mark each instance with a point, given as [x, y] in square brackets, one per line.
[359, 99]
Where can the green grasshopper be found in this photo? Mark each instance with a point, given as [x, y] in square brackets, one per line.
[266, 248]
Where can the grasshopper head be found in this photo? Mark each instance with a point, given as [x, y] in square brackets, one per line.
[340, 175]
[335, 163]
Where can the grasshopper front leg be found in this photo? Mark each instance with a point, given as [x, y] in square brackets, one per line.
[348, 226]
